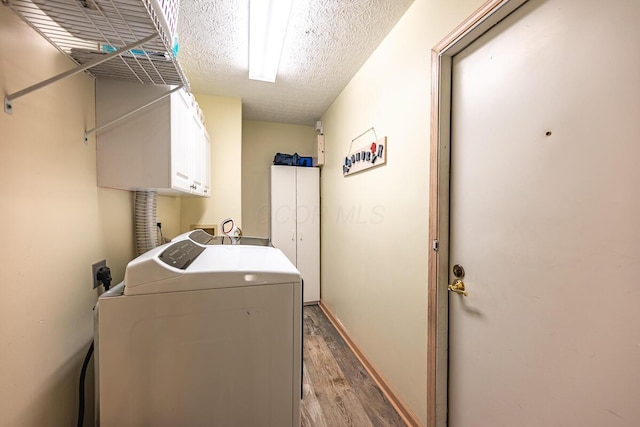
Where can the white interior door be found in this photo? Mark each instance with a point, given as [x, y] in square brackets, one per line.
[545, 219]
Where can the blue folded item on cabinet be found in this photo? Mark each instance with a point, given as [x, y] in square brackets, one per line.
[305, 161]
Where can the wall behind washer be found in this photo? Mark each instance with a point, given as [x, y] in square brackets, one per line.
[54, 223]
[260, 142]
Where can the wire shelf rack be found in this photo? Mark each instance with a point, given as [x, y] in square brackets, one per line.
[88, 30]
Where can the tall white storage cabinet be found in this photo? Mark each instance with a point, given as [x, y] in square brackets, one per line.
[295, 222]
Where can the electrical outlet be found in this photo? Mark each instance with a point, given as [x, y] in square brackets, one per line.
[94, 271]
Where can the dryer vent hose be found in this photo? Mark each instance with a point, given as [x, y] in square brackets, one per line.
[146, 203]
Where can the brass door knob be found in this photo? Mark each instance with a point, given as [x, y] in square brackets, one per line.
[458, 288]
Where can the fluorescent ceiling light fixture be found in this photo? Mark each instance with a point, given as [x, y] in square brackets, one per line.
[268, 21]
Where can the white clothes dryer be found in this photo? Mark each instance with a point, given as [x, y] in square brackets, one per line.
[201, 334]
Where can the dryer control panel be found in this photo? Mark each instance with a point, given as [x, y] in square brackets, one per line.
[181, 254]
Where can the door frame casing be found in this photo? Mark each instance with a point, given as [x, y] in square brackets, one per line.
[483, 19]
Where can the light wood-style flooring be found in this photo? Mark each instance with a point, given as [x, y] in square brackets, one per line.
[337, 390]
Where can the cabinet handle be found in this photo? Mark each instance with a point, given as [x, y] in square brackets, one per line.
[301, 236]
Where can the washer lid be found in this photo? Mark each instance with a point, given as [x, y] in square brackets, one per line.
[187, 266]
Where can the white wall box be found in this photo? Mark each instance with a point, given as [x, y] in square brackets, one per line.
[164, 146]
[295, 222]
[320, 150]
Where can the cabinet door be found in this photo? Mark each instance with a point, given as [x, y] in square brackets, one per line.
[283, 210]
[197, 154]
[308, 231]
[181, 150]
[206, 156]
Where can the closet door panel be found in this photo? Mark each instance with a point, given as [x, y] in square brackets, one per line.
[308, 231]
[283, 210]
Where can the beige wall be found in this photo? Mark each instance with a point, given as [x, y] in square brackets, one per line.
[375, 224]
[260, 142]
[223, 119]
[54, 224]
[169, 210]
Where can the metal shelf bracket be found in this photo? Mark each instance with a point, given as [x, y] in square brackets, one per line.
[8, 106]
[125, 115]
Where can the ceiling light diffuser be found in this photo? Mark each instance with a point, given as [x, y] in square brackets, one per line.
[268, 21]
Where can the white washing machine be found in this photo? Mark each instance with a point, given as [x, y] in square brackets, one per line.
[201, 333]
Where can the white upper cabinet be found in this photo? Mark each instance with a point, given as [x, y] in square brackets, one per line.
[163, 147]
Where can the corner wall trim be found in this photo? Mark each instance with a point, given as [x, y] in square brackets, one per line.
[405, 413]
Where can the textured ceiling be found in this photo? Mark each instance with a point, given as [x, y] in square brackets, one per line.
[327, 42]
